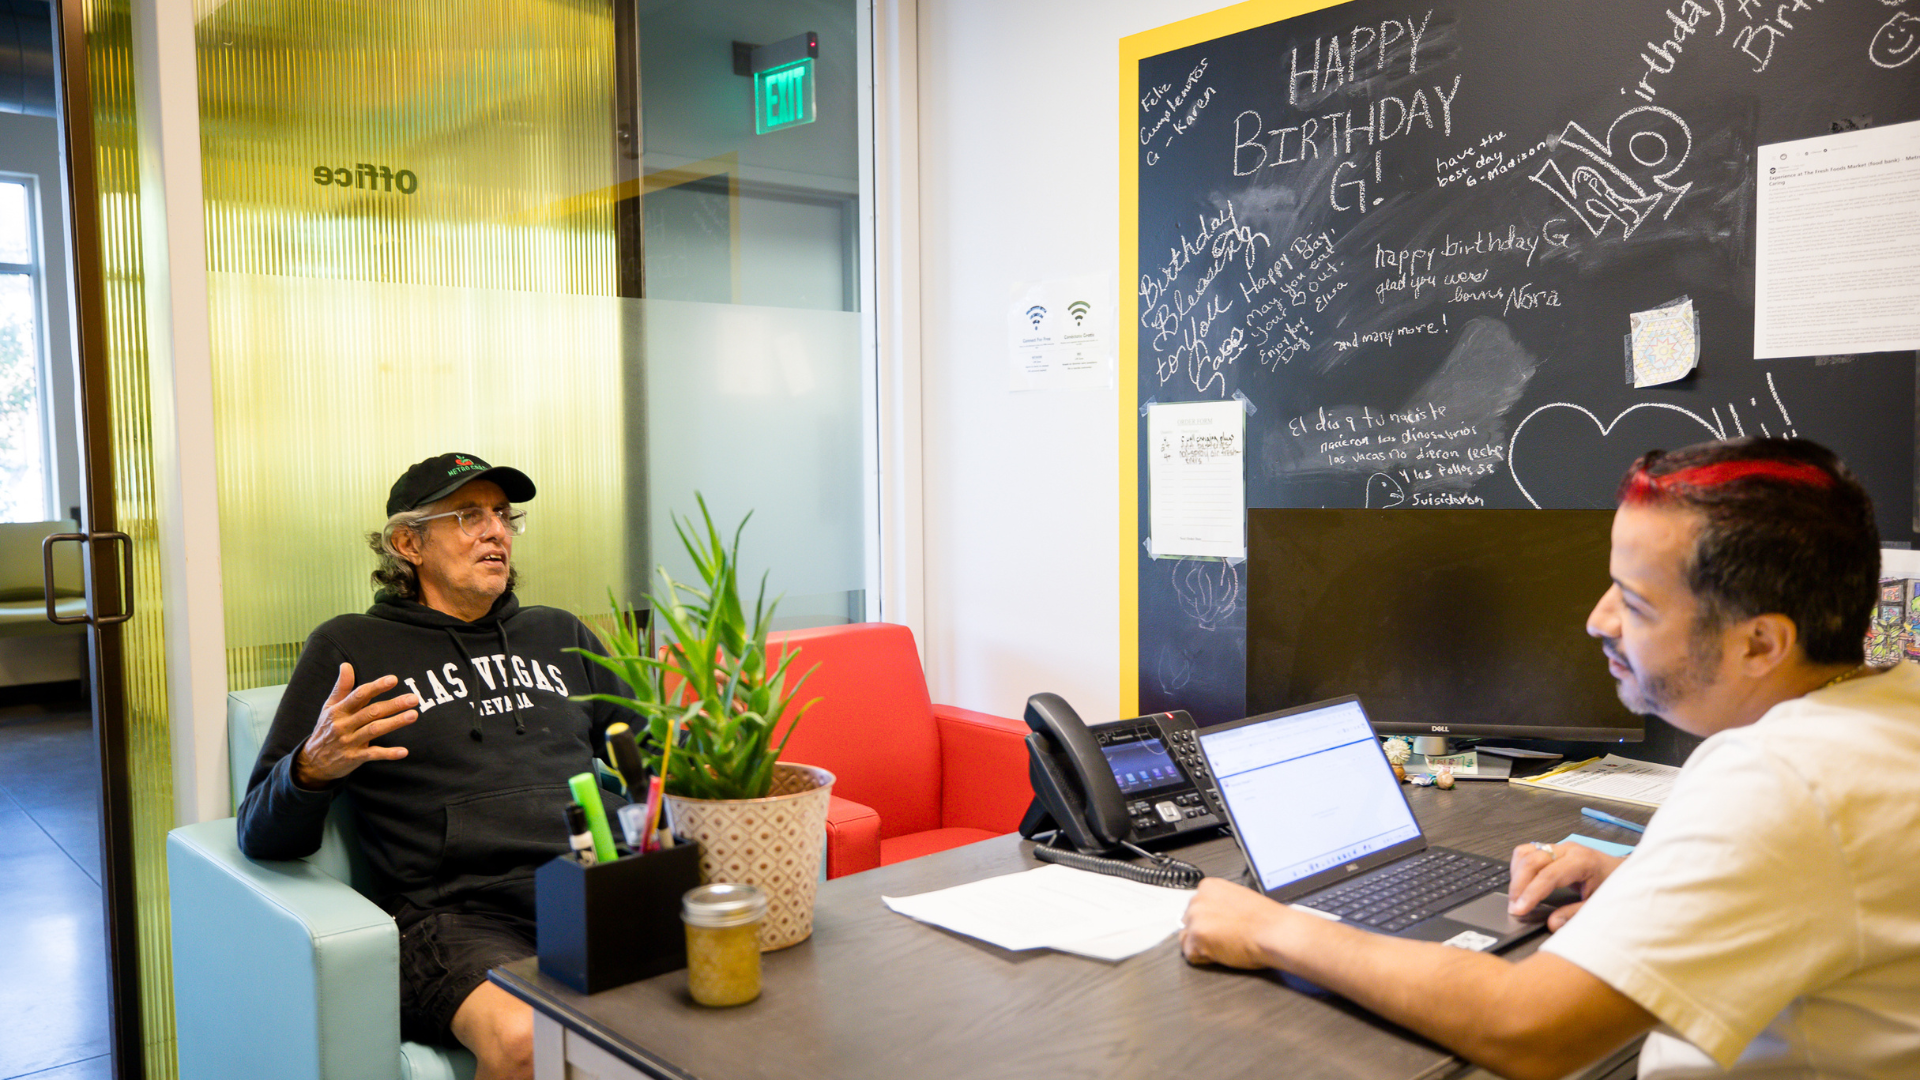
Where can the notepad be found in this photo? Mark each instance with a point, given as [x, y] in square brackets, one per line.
[1642, 783]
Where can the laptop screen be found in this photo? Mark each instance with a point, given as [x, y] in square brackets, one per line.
[1307, 790]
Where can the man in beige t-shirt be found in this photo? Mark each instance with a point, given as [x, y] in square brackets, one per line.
[1769, 922]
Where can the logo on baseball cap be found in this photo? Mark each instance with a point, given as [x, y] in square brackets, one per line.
[443, 474]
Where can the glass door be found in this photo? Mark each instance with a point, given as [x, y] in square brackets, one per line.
[58, 446]
[559, 235]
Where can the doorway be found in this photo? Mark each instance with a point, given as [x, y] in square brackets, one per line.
[70, 984]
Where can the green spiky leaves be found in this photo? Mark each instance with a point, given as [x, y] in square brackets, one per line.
[710, 692]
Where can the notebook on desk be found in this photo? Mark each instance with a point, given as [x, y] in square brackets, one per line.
[1325, 826]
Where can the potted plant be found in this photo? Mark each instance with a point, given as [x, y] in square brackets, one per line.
[716, 708]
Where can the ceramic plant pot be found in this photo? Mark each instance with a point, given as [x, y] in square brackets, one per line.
[774, 843]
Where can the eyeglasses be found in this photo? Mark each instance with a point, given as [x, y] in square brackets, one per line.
[474, 519]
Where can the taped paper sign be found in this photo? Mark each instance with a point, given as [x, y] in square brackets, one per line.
[1196, 479]
[1060, 334]
[1665, 343]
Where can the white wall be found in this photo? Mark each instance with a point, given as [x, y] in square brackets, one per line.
[1018, 181]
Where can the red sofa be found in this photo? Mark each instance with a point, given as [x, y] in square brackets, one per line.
[911, 777]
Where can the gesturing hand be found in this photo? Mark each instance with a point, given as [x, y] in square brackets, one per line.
[1535, 873]
[349, 722]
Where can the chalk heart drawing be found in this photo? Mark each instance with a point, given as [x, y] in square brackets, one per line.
[1555, 426]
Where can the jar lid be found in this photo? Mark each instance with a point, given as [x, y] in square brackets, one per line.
[723, 904]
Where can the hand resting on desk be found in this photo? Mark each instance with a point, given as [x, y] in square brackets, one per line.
[1540, 1018]
[1536, 873]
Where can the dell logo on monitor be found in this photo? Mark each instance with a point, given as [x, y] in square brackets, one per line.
[1440, 727]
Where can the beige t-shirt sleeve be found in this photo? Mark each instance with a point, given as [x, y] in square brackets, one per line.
[1736, 902]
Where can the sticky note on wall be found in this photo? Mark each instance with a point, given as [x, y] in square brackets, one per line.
[1664, 343]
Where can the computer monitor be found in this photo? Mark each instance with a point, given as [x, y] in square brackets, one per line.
[1446, 622]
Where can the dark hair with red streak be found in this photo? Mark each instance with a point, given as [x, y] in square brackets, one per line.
[1787, 530]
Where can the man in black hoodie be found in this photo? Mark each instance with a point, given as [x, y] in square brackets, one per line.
[442, 716]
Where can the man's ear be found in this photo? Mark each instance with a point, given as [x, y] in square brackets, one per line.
[407, 542]
[1766, 642]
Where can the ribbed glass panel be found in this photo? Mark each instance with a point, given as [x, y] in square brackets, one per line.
[410, 233]
[326, 390]
[149, 748]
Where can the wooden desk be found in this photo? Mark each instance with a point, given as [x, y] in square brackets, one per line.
[875, 994]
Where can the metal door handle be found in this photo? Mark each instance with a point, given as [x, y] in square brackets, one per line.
[126, 578]
[46, 567]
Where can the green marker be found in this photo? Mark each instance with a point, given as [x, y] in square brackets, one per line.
[586, 792]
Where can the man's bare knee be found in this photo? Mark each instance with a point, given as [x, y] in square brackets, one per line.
[498, 1028]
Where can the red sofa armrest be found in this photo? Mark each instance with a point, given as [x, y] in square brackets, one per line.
[853, 837]
[983, 770]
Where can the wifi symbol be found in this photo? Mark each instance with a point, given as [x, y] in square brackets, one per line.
[1035, 314]
[1078, 309]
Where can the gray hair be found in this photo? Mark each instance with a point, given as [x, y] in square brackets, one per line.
[395, 574]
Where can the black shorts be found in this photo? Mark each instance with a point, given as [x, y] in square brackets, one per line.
[444, 956]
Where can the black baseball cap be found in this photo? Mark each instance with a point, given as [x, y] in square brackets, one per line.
[443, 474]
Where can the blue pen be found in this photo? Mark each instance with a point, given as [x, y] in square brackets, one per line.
[1602, 815]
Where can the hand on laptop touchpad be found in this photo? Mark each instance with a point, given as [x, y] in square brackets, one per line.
[1490, 911]
[1548, 904]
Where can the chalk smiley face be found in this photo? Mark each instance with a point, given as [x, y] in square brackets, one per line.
[1897, 41]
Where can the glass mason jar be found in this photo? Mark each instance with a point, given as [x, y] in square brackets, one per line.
[723, 949]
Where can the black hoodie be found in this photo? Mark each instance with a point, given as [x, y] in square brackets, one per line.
[478, 803]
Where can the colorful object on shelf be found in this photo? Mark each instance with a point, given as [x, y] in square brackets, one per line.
[1891, 635]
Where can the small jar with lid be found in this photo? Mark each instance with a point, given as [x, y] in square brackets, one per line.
[723, 946]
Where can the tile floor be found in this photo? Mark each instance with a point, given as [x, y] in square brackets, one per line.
[53, 973]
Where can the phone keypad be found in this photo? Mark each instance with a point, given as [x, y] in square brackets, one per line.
[1179, 811]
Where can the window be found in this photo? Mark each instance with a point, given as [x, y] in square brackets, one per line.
[23, 493]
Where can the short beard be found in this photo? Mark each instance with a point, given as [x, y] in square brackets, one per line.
[1660, 691]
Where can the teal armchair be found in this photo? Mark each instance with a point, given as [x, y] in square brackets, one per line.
[284, 969]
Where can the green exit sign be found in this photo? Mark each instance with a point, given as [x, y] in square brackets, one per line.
[783, 96]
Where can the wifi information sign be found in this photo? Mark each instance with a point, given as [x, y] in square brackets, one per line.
[1060, 334]
[783, 96]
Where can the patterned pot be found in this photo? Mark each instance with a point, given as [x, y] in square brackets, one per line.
[774, 843]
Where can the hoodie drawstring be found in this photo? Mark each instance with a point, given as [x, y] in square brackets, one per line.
[519, 722]
[461, 647]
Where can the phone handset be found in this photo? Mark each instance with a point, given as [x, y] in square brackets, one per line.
[1081, 801]
[1082, 798]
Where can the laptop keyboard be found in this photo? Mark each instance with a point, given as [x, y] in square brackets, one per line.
[1415, 888]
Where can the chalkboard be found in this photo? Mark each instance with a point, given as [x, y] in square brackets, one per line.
[1410, 237]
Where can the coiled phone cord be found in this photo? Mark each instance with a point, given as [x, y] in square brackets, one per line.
[1166, 871]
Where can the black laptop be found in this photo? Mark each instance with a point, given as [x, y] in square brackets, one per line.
[1326, 828]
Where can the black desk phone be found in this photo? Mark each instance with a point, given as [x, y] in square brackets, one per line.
[1117, 784]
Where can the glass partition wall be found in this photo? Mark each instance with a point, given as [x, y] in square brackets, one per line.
[552, 233]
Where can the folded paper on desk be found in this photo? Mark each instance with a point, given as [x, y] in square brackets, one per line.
[1054, 907]
[1642, 783]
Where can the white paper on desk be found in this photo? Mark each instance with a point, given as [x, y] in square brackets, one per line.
[1837, 248]
[1196, 479]
[1615, 777]
[1055, 907]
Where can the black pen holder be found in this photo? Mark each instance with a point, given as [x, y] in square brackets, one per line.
[616, 922]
